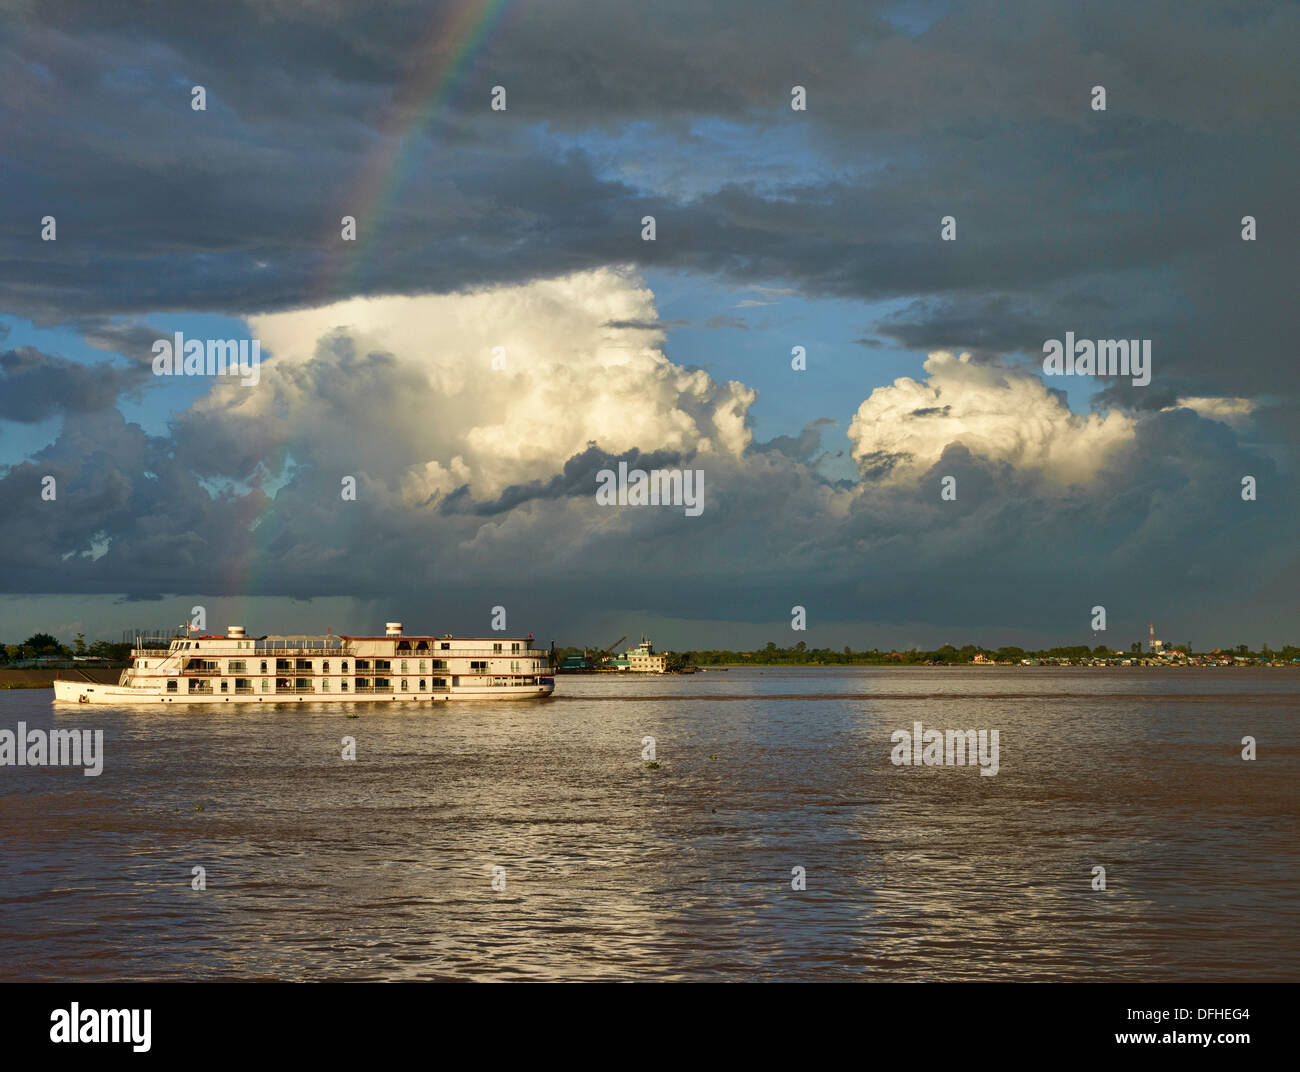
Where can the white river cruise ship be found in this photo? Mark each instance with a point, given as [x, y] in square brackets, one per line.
[324, 669]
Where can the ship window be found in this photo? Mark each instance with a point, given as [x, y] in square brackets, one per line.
[514, 647]
[422, 666]
[404, 689]
[423, 686]
[403, 666]
[496, 648]
[345, 666]
[224, 687]
[325, 684]
[266, 681]
[325, 667]
[171, 686]
[264, 666]
[446, 647]
[344, 685]
[439, 682]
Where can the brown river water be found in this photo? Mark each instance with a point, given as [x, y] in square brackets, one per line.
[381, 867]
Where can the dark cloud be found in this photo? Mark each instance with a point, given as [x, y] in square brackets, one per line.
[1118, 222]
[579, 478]
[35, 385]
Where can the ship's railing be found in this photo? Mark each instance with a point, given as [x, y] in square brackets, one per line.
[398, 692]
[149, 653]
[320, 653]
[470, 653]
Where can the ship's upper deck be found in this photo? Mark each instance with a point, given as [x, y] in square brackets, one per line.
[394, 644]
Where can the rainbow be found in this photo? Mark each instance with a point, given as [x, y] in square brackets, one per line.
[441, 59]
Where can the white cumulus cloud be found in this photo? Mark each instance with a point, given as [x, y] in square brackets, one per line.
[410, 381]
[1003, 414]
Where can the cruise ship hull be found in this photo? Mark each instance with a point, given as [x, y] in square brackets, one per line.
[87, 692]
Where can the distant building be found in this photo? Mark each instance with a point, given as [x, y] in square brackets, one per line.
[643, 659]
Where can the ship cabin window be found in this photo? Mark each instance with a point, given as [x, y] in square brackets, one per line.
[344, 685]
[439, 682]
[423, 686]
[403, 666]
[478, 664]
[225, 686]
[237, 666]
[404, 688]
[496, 649]
[264, 666]
[345, 666]
[302, 664]
[423, 667]
[446, 647]
[325, 684]
[363, 664]
[514, 647]
[363, 683]
[381, 683]
[423, 645]
[282, 665]
[266, 681]
[440, 664]
[383, 664]
[171, 685]
[403, 645]
[325, 667]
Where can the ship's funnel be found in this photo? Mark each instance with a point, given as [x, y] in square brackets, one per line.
[235, 632]
[392, 628]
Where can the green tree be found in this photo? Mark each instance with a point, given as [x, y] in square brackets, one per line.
[42, 644]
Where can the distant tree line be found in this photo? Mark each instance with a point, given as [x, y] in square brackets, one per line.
[44, 646]
[802, 655]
